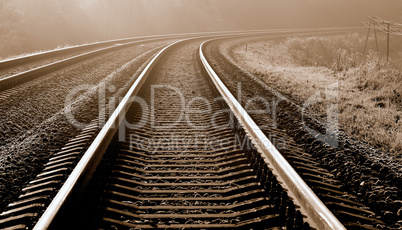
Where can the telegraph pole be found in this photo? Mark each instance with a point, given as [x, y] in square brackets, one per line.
[388, 41]
[388, 27]
[376, 42]
[365, 44]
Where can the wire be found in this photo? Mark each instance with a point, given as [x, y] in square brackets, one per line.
[388, 27]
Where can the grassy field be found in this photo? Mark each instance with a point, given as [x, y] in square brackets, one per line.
[370, 89]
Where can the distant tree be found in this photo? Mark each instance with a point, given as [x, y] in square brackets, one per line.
[29, 25]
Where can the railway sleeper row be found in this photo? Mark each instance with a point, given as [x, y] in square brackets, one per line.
[177, 184]
[38, 193]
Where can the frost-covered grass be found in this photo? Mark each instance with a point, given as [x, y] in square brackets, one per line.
[370, 89]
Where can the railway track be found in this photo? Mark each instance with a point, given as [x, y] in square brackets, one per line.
[209, 170]
[83, 52]
[9, 82]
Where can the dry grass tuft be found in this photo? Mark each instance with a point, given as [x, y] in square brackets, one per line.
[370, 89]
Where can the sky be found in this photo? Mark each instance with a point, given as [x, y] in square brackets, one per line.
[309, 13]
[28, 25]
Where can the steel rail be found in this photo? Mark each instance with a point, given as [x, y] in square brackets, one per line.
[20, 78]
[319, 216]
[8, 63]
[98, 147]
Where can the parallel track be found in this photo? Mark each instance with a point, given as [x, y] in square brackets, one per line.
[23, 77]
[100, 48]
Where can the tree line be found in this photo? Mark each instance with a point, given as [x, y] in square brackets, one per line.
[31, 25]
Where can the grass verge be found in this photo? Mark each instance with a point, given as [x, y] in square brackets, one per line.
[369, 92]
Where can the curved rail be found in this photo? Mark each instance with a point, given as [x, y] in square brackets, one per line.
[53, 53]
[96, 150]
[317, 213]
[11, 81]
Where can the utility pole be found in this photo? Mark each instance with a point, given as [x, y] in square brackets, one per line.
[388, 41]
[372, 24]
[376, 42]
[365, 44]
[388, 27]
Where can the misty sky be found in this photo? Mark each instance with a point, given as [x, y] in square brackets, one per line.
[28, 25]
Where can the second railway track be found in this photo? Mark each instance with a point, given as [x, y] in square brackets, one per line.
[17, 71]
[182, 159]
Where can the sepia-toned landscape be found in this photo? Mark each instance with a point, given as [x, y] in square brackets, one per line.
[213, 114]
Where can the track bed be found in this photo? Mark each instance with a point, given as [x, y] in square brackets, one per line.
[184, 168]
